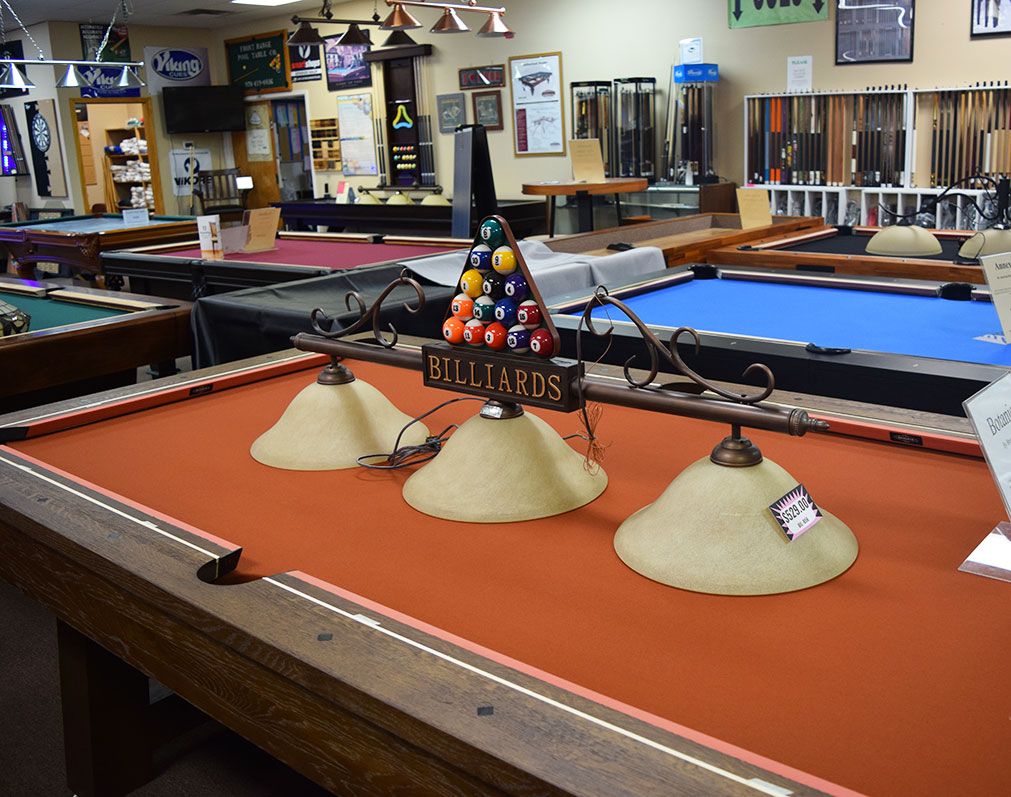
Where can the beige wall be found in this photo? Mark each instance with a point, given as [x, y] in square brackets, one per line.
[601, 40]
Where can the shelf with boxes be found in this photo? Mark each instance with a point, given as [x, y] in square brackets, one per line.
[128, 170]
[326, 144]
[862, 157]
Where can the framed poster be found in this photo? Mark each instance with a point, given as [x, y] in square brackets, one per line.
[358, 141]
[482, 77]
[117, 48]
[538, 116]
[488, 109]
[259, 63]
[452, 111]
[990, 18]
[346, 67]
[869, 30]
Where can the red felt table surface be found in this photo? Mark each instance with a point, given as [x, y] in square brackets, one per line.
[326, 254]
[890, 679]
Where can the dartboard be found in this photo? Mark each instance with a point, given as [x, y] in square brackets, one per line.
[40, 132]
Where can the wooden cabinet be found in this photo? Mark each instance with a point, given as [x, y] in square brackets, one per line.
[128, 180]
[326, 144]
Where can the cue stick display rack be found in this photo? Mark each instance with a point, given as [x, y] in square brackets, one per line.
[635, 122]
[689, 144]
[591, 117]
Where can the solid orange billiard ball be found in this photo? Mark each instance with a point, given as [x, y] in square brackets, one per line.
[495, 336]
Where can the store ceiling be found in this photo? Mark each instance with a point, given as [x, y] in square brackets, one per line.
[156, 12]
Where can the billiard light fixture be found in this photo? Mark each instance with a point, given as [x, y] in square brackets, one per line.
[401, 19]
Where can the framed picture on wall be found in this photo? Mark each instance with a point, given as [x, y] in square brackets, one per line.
[452, 110]
[538, 116]
[867, 31]
[488, 109]
[990, 18]
[345, 64]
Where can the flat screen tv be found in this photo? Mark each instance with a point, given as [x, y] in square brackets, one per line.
[203, 109]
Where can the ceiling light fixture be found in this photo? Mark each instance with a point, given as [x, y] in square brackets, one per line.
[306, 34]
[449, 22]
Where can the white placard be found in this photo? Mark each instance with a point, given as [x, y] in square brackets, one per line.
[997, 270]
[209, 232]
[798, 72]
[989, 410]
[136, 216]
[691, 50]
[538, 119]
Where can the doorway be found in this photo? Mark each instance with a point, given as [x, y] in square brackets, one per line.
[294, 150]
[117, 157]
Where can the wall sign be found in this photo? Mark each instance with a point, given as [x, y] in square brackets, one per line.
[117, 48]
[752, 13]
[180, 161]
[104, 80]
[259, 63]
[482, 77]
[306, 63]
[538, 118]
[346, 67]
[176, 66]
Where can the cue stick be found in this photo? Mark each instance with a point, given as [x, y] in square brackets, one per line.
[853, 160]
[933, 145]
[768, 175]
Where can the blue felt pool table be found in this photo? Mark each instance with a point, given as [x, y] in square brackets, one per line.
[908, 343]
[77, 241]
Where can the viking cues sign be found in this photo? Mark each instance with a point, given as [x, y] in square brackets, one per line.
[176, 66]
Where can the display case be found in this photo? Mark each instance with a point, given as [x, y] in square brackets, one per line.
[591, 117]
[689, 144]
[635, 127]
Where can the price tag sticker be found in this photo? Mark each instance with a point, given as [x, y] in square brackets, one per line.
[795, 512]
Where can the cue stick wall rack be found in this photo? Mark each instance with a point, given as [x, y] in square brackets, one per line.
[591, 117]
[843, 155]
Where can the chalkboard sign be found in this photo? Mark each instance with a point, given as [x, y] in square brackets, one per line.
[259, 63]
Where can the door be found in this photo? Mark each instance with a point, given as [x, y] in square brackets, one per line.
[293, 149]
[256, 155]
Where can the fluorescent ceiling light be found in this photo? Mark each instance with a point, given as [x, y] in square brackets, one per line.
[263, 2]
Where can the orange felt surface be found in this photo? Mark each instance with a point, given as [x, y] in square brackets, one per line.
[891, 679]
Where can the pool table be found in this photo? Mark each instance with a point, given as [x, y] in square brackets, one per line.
[81, 340]
[179, 270]
[906, 343]
[841, 249]
[683, 240]
[78, 241]
[385, 652]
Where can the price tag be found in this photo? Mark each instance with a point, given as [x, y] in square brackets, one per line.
[136, 217]
[795, 512]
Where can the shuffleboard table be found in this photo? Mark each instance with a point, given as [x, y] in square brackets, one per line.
[379, 650]
[683, 240]
[841, 249]
[180, 269]
[906, 343]
[78, 241]
[80, 340]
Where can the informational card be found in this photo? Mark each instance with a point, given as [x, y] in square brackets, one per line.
[753, 205]
[136, 216]
[798, 72]
[255, 234]
[795, 512]
[997, 270]
[587, 162]
[209, 232]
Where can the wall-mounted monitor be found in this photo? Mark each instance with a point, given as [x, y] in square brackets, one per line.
[203, 109]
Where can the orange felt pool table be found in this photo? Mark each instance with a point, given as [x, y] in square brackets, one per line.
[374, 648]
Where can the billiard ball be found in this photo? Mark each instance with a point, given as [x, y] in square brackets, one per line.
[516, 287]
[505, 311]
[493, 285]
[462, 307]
[471, 281]
[518, 339]
[491, 233]
[484, 309]
[480, 258]
[473, 332]
[541, 343]
[529, 314]
[503, 260]
[495, 336]
[452, 330]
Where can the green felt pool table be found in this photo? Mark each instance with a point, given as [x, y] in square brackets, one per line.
[80, 340]
[77, 241]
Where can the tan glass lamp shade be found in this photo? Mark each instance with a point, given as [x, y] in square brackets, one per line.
[399, 198]
[711, 531]
[435, 199]
[366, 199]
[532, 473]
[903, 241]
[988, 242]
[327, 427]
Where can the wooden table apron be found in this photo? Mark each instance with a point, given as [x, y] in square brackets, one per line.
[887, 679]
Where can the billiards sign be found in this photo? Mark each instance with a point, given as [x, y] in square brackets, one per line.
[481, 77]
[540, 383]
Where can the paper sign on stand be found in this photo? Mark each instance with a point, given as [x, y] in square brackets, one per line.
[256, 234]
[587, 162]
[209, 232]
[997, 271]
[753, 205]
[136, 217]
[989, 410]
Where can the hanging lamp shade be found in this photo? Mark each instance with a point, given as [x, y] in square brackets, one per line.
[495, 26]
[305, 34]
[903, 241]
[354, 35]
[400, 19]
[128, 79]
[11, 78]
[72, 79]
[449, 22]
[994, 241]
